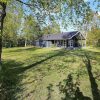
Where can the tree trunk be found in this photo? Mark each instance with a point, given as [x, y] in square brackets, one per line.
[2, 16]
[25, 42]
[0, 48]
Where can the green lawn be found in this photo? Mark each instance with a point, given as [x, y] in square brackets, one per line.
[49, 73]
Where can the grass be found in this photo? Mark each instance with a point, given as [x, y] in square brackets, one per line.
[35, 73]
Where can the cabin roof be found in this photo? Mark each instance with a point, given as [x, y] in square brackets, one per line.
[63, 36]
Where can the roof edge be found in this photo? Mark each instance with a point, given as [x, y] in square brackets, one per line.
[76, 34]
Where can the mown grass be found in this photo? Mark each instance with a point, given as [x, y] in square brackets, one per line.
[35, 73]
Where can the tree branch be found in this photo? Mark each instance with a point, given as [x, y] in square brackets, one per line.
[30, 5]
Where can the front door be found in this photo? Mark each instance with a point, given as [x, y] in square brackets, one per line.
[70, 43]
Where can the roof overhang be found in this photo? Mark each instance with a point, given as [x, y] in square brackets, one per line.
[80, 34]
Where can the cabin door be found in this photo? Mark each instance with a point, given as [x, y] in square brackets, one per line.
[71, 43]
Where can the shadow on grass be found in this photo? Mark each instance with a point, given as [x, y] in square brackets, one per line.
[92, 55]
[9, 80]
[94, 86]
[39, 62]
[12, 74]
[71, 89]
[50, 90]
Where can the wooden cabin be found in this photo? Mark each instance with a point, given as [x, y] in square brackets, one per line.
[65, 39]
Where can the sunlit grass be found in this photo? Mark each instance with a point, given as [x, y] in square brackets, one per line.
[30, 70]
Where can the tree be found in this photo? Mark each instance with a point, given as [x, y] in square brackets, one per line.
[3, 14]
[88, 27]
[31, 29]
[73, 9]
[93, 37]
[12, 24]
[54, 28]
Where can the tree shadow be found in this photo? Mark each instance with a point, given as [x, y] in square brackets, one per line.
[71, 89]
[92, 54]
[94, 86]
[20, 70]
[50, 90]
[12, 74]
[9, 80]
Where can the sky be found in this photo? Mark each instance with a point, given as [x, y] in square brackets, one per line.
[70, 28]
[92, 6]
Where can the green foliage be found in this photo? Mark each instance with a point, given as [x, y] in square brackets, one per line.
[31, 29]
[93, 37]
[51, 29]
[3, 1]
[76, 11]
[68, 12]
[12, 24]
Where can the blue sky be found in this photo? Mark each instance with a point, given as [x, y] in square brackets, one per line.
[93, 6]
[70, 28]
